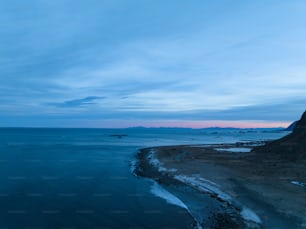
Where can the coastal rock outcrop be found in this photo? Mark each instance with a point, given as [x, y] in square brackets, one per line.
[291, 147]
[291, 126]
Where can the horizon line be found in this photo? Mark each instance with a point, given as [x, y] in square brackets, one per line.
[124, 124]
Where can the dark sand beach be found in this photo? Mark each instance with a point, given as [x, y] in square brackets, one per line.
[255, 186]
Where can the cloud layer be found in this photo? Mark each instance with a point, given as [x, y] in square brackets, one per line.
[148, 61]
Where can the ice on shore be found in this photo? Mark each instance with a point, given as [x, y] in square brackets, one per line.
[210, 187]
[133, 166]
[249, 215]
[200, 184]
[235, 149]
[157, 164]
[159, 191]
[204, 185]
[298, 183]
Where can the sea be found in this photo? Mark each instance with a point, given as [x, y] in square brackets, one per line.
[83, 178]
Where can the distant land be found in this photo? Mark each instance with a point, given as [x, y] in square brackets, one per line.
[210, 128]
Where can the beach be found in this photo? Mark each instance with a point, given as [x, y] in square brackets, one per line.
[250, 189]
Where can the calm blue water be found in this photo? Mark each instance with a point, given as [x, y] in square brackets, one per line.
[80, 178]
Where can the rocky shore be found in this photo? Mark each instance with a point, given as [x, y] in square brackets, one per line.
[253, 186]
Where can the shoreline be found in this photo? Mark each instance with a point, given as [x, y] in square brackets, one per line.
[236, 181]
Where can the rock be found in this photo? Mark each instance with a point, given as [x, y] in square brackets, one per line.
[291, 126]
[291, 147]
[118, 135]
[301, 125]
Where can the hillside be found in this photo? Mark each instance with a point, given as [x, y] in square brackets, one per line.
[291, 147]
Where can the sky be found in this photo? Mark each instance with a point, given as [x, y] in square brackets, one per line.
[170, 63]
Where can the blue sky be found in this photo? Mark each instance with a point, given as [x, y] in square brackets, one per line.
[120, 63]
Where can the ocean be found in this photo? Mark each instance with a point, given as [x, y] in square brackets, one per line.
[82, 178]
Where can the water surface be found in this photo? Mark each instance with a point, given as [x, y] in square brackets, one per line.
[80, 178]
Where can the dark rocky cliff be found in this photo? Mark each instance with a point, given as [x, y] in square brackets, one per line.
[291, 147]
[292, 126]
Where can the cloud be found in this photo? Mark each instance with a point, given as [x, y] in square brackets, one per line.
[90, 100]
[162, 59]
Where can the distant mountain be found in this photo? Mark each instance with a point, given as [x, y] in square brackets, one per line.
[291, 147]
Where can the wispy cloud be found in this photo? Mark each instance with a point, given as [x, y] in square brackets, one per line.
[207, 60]
[90, 100]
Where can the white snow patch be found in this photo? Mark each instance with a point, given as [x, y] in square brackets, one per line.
[159, 191]
[249, 215]
[208, 181]
[204, 185]
[298, 183]
[235, 149]
[157, 164]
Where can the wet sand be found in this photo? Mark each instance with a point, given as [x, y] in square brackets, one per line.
[253, 190]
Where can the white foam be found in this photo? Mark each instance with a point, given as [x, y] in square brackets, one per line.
[159, 191]
[249, 215]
